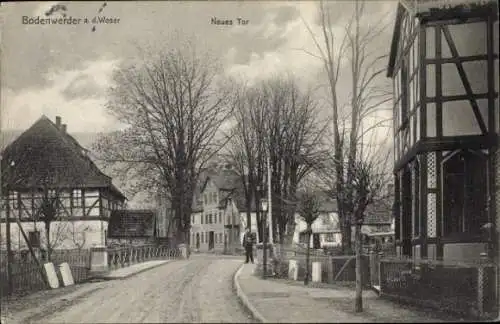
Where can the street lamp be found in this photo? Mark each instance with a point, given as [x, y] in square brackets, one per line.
[263, 203]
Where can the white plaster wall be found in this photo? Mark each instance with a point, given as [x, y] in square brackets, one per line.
[67, 234]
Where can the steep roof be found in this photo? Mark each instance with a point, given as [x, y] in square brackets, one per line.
[46, 154]
[380, 213]
[131, 223]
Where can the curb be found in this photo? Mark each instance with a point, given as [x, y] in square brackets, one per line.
[133, 273]
[244, 299]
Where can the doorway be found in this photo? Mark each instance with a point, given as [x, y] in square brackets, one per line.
[316, 241]
[197, 241]
[211, 240]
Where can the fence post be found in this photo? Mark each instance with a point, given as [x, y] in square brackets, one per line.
[99, 259]
[380, 268]
[480, 283]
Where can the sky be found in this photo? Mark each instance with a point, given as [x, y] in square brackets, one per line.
[65, 69]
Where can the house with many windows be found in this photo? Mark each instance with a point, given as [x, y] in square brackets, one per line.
[212, 226]
[46, 172]
[444, 66]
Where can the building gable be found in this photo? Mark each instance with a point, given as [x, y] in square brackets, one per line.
[45, 155]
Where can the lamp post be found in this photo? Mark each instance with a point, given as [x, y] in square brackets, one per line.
[263, 203]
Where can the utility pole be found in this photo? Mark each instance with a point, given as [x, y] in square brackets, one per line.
[4, 205]
[269, 198]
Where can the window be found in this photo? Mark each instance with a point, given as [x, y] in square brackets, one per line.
[14, 200]
[202, 237]
[220, 216]
[210, 218]
[34, 237]
[201, 218]
[215, 237]
[77, 198]
[464, 192]
[214, 194]
[205, 199]
[206, 219]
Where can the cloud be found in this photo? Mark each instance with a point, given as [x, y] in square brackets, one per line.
[82, 87]
[68, 97]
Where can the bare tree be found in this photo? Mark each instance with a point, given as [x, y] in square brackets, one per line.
[370, 179]
[277, 120]
[308, 209]
[246, 150]
[173, 109]
[365, 101]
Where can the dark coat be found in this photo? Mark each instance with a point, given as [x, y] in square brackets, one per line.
[249, 239]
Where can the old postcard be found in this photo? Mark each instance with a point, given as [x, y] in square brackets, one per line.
[249, 161]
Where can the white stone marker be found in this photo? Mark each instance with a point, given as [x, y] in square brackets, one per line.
[316, 271]
[293, 270]
[50, 270]
[66, 275]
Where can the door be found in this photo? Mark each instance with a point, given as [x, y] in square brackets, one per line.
[316, 241]
[197, 241]
[210, 240]
[407, 213]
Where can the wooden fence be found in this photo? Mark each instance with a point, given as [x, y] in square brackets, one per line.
[26, 276]
[338, 268]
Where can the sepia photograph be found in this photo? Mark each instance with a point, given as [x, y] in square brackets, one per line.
[249, 161]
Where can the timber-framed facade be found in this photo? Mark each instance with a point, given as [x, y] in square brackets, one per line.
[444, 66]
[444, 63]
[45, 164]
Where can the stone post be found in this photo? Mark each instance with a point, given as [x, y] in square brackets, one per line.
[293, 270]
[316, 272]
[98, 259]
[184, 252]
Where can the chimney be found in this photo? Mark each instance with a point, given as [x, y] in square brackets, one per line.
[63, 128]
[58, 122]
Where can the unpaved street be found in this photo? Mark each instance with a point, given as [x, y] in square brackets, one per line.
[195, 290]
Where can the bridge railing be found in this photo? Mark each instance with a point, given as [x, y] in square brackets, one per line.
[125, 256]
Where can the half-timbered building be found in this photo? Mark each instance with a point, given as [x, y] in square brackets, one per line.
[444, 64]
[46, 171]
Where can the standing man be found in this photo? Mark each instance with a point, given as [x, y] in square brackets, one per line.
[248, 242]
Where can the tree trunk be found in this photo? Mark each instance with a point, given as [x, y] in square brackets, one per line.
[47, 237]
[346, 235]
[306, 279]
[358, 300]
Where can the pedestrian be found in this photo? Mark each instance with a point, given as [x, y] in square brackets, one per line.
[248, 242]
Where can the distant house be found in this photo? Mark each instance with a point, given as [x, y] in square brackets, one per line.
[215, 222]
[45, 164]
[131, 227]
[378, 224]
[326, 228]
